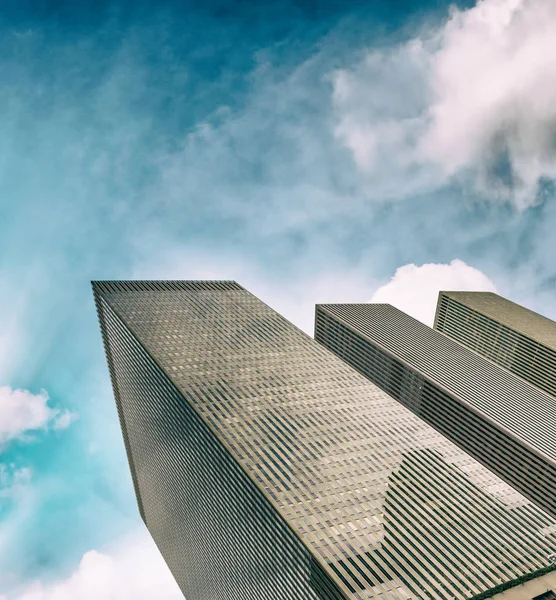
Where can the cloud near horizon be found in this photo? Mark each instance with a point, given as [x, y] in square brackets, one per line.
[133, 569]
[473, 98]
[414, 289]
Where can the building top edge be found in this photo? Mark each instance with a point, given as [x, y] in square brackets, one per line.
[165, 285]
[523, 320]
[472, 378]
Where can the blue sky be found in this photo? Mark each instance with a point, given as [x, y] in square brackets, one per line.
[314, 151]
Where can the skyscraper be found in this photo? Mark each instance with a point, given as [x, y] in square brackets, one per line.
[266, 468]
[506, 333]
[504, 422]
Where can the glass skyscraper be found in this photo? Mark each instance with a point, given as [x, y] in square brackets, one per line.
[506, 423]
[506, 333]
[266, 468]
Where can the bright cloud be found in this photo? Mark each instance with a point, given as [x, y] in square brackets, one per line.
[22, 412]
[134, 570]
[415, 289]
[475, 95]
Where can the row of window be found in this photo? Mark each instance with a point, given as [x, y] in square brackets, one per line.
[346, 467]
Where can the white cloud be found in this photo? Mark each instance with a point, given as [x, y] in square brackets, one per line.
[494, 79]
[131, 570]
[415, 289]
[64, 420]
[22, 412]
[475, 95]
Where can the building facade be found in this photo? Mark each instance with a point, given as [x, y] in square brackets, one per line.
[512, 336]
[266, 468]
[504, 422]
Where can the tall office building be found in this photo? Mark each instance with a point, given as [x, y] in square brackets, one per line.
[266, 468]
[506, 423]
[506, 333]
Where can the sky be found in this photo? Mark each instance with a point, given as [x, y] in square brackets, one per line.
[315, 151]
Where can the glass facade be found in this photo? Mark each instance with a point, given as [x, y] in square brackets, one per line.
[267, 468]
[510, 335]
[504, 422]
